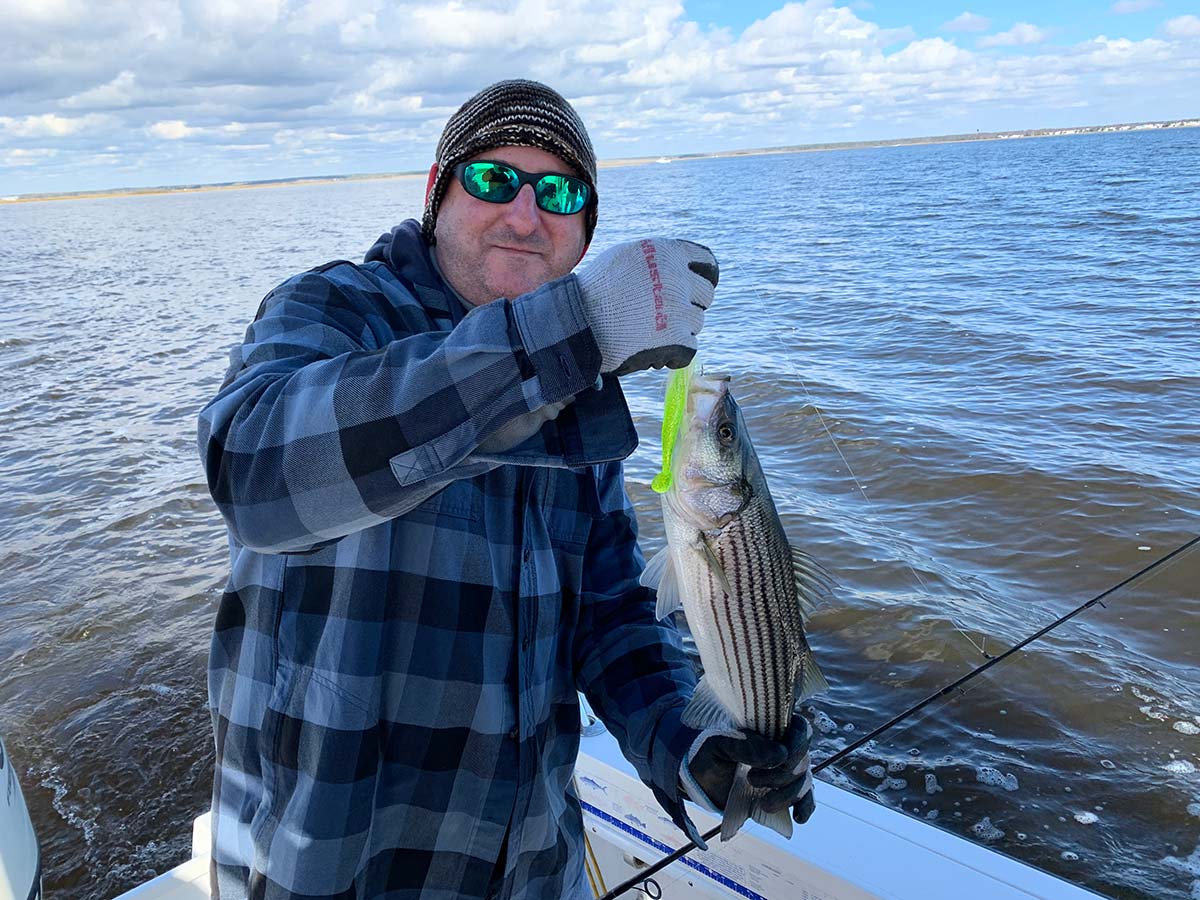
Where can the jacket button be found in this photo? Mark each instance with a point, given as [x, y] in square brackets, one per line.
[527, 554]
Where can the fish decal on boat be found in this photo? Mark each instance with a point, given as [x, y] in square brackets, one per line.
[742, 587]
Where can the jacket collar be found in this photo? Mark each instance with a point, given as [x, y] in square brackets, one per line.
[406, 253]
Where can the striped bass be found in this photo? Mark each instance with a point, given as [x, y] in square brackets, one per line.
[729, 566]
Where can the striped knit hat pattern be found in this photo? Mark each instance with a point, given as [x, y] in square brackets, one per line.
[514, 113]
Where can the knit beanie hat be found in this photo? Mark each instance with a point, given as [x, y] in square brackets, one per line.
[515, 113]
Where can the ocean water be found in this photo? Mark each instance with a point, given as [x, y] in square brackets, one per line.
[972, 372]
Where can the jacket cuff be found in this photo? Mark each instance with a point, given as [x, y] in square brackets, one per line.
[557, 340]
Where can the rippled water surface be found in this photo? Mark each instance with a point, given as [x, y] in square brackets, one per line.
[971, 372]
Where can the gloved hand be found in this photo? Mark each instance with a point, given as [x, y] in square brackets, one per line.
[645, 301]
[779, 769]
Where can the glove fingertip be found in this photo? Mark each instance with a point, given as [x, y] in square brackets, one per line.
[708, 270]
[803, 809]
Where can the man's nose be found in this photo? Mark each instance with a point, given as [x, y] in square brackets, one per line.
[522, 212]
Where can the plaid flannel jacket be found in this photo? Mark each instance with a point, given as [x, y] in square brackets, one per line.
[409, 616]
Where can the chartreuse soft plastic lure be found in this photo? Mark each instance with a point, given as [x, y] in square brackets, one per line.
[673, 410]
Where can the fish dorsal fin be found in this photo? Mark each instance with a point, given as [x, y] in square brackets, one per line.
[706, 711]
[813, 584]
[713, 564]
[811, 680]
[659, 574]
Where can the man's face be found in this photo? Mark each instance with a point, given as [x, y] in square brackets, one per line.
[489, 250]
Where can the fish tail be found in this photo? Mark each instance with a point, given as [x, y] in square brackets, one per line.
[743, 804]
[779, 821]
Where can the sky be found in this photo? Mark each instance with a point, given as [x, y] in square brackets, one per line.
[171, 92]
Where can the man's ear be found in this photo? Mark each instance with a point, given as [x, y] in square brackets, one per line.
[433, 170]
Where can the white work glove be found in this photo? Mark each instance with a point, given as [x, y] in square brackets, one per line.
[645, 301]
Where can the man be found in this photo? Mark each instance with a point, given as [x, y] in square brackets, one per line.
[419, 462]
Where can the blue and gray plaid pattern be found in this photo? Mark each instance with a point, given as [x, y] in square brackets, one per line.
[397, 653]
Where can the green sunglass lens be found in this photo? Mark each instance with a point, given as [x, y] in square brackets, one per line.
[498, 183]
[488, 181]
[561, 194]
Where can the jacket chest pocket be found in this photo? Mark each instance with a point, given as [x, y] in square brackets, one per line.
[461, 500]
[568, 505]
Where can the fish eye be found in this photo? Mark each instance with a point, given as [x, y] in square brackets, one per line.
[725, 432]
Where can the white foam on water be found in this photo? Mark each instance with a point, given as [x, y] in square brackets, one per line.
[995, 778]
[986, 831]
[1108, 764]
[1069, 855]
[1151, 713]
[1141, 695]
[1186, 728]
[896, 765]
[71, 810]
[876, 771]
[893, 784]
[1191, 865]
[1194, 809]
[931, 784]
[824, 723]
[1086, 818]
[1180, 767]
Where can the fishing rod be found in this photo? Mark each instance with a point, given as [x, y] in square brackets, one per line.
[1171, 557]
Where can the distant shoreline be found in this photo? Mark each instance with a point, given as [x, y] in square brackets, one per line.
[616, 163]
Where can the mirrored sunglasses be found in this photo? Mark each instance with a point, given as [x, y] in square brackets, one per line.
[498, 182]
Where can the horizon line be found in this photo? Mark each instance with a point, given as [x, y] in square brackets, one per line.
[616, 162]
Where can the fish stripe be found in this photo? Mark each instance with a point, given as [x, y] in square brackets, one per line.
[746, 657]
[725, 634]
[744, 670]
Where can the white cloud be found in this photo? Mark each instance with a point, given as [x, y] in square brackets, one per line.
[43, 12]
[370, 83]
[1126, 7]
[116, 93]
[233, 15]
[1020, 35]
[930, 55]
[171, 130]
[1182, 27]
[25, 157]
[967, 21]
[49, 125]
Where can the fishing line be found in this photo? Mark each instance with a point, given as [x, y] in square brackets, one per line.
[981, 647]
[1163, 562]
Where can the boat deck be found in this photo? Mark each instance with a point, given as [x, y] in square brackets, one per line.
[852, 849]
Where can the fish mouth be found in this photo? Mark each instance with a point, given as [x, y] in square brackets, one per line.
[705, 394]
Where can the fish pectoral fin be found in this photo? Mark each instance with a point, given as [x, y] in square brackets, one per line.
[658, 564]
[706, 711]
[713, 564]
[659, 574]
